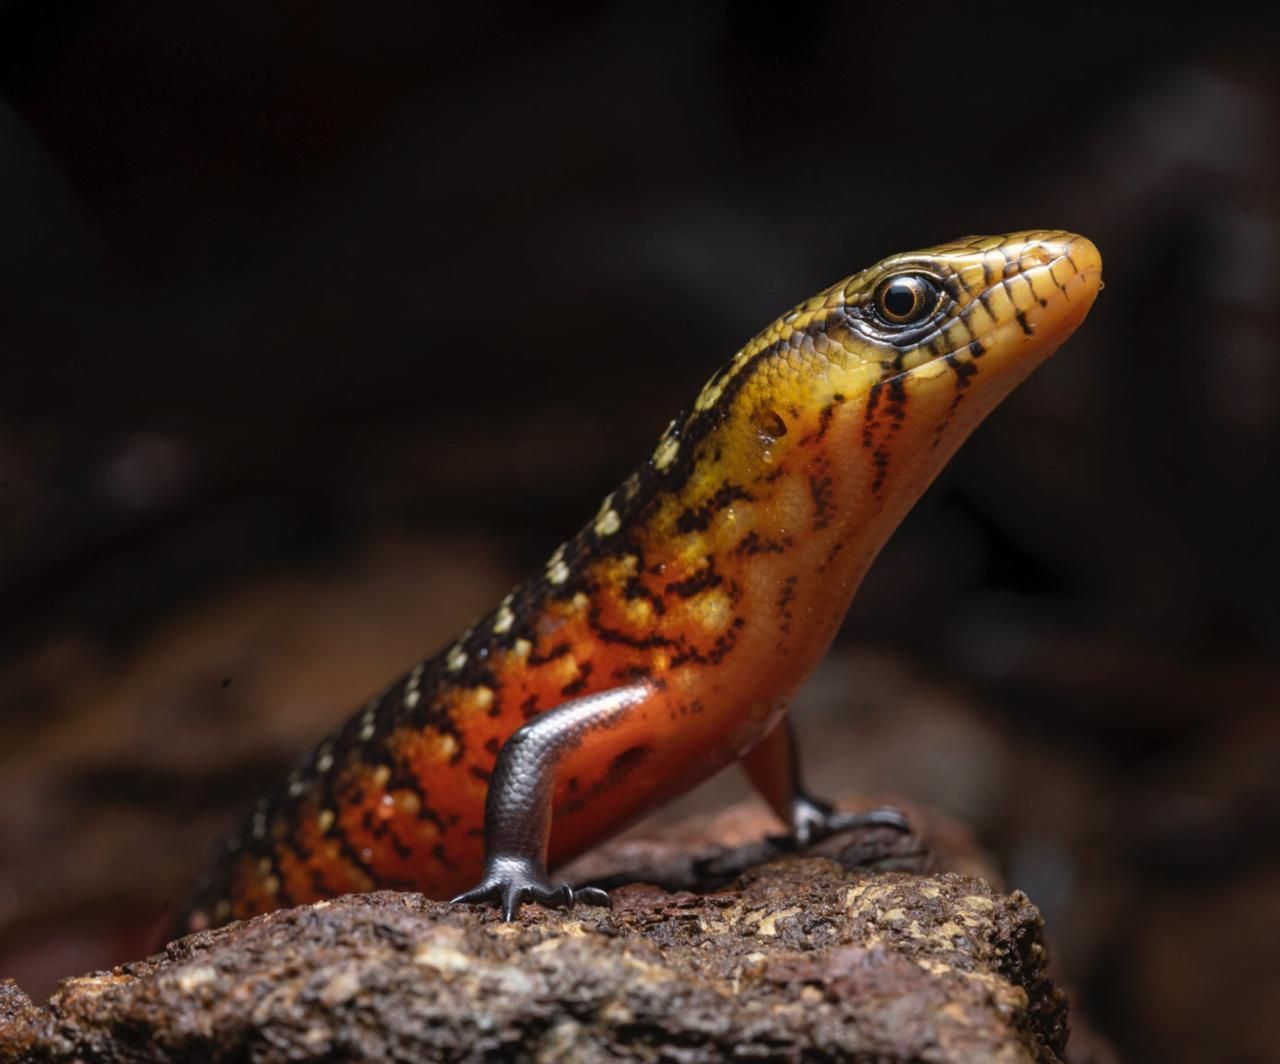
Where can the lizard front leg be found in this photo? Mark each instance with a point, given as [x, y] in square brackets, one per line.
[517, 808]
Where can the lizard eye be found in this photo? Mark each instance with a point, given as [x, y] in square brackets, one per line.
[906, 298]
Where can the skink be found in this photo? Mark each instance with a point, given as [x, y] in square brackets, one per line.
[666, 638]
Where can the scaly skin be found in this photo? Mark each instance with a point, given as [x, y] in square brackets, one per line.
[709, 584]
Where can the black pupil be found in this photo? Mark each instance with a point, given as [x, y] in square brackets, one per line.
[900, 299]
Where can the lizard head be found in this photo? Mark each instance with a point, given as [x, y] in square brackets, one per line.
[924, 323]
[875, 381]
[970, 306]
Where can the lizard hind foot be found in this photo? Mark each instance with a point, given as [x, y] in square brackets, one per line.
[813, 820]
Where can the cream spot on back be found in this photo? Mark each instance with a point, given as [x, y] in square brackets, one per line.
[415, 678]
[608, 523]
[666, 452]
[504, 618]
[557, 570]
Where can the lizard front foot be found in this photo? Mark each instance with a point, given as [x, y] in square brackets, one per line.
[508, 883]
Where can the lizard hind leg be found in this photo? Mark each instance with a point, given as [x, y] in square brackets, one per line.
[773, 767]
[517, 810]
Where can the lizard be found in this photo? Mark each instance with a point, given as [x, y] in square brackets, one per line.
[665, 640]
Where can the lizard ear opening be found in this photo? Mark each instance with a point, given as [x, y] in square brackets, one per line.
[770, 423]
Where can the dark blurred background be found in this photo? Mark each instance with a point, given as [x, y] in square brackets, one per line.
[320, 322]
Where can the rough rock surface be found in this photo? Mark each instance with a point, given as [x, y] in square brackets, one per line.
[799, 958]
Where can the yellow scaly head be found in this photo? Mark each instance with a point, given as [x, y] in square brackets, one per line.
[886, 372]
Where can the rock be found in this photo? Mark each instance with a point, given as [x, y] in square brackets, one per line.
[802, 957]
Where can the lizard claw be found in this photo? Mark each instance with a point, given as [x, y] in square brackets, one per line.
[509, 884]
[813, 820]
